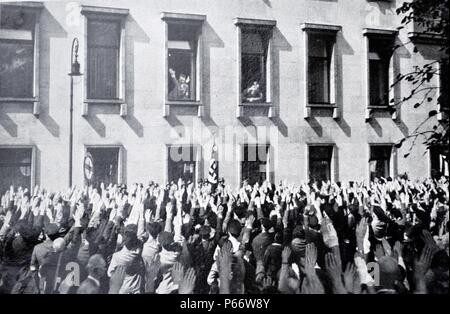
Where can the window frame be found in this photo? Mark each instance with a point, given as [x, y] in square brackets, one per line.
[107, 14]
[196, 21]
[392, 159]
[89, 90]
[270, 154]
[387, 35]
[331, 33]
[120, 162]
[34, 8]
[33, 179]
[198, 173]
[432, 151]
[265, 26]
[333, 161]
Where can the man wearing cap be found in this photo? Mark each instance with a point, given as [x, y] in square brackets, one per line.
[42, 257]
[42, 251]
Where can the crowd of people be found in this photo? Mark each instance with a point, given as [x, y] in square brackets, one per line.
[388, 236]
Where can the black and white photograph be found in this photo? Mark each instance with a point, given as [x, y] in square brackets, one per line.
[250, 148]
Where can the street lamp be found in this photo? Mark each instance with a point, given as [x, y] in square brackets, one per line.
[74, 71]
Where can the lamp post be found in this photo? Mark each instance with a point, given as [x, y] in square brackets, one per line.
[74, 71]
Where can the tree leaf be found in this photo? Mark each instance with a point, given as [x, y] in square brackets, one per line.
[432, 113]
[399, 144]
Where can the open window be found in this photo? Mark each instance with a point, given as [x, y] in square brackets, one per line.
[256, 163]
[183, 60]
[254, 63]
[380, 70]
[320, 67]
[319, 70]
[183, 161]
[380, 51]
[320, 163]
[19, 53]
[380, 161]
[104, 57]
[16, 168]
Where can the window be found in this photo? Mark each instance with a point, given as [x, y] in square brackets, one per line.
[105, 62]
[105, 164]
[183, 79]
[18, 50]
[319, 66]
[254, 66]
[380, 51]
[182, 55]
[438, 163]
[320, 163]
[381, 67]
[103, 37]
[15, 168]
[182, 163]
[379, 162]
[255, 165]
[254, 61]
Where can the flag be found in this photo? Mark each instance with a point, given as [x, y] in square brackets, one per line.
[213, 173]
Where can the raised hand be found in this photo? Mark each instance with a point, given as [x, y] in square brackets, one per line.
[224, 266]
[267, 283]
[332, 267]
[362, 236]
[286, 254]
[387, 247]
[177, 273]
[429, 241]
[249, 221]
[423, 263]
[188, 283]
[329, 233]
[379, 251]
[352, 282]
[334, 271]
[310, 259]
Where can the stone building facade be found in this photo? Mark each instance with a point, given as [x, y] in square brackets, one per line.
[305, 82]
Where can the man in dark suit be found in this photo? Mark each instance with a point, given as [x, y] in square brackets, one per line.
[96, 268]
